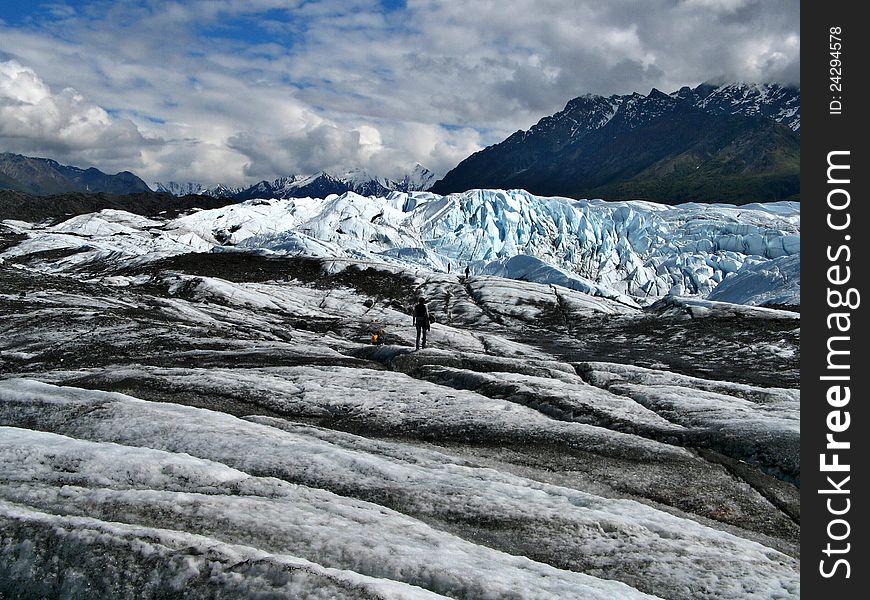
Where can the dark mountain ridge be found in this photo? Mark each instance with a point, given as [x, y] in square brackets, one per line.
[43, 176]
[686, 146]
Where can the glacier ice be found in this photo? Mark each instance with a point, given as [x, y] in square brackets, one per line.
[634, 251]
[192, 406]
[190, 486]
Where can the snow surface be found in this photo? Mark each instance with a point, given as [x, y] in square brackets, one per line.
[751, 418]
[124, 469]
[218, 425]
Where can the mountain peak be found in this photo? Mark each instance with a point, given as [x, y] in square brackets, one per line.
[321, 184]
[771, 100]
[44, 176]
[668, 148]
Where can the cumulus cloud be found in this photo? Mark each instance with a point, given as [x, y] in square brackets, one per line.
[35, 119]
[323, 147]
[386, 148]
[239, 90]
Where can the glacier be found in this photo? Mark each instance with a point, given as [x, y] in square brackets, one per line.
[635, 251]
[609, 406]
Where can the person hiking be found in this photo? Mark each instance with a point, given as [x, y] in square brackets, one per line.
[467, 272]
[421, 320]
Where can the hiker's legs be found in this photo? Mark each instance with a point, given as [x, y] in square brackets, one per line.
[419, 329]
[424, 336]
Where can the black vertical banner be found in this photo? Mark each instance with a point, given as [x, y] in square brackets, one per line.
[835, 421]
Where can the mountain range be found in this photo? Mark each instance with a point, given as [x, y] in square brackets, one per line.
[46, 177]
[733, 142]
[43, 177]
[318, 185]
[774, 101]
[730, 143]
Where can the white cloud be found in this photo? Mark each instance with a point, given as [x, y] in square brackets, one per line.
[722, 6]
[33, 118]
[19, 85]
[339, 83]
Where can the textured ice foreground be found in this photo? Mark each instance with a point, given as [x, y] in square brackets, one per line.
[158, 467]
[218, 424]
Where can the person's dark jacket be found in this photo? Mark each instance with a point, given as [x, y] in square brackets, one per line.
[421, 316]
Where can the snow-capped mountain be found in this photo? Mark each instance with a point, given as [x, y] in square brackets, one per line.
[420, 179]
[320, 185]
[194, 188]
[779, 102]
[364, 183]
[222, 191]
[178, 189]
[710, 144]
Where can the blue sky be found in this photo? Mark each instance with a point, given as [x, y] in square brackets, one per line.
[235, 91]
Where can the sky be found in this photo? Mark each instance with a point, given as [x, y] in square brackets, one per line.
[237, 91]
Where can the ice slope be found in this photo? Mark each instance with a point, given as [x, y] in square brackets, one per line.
[219, 425]
[632, 251]
[638, 249]
[774, 281]
[125, 470]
